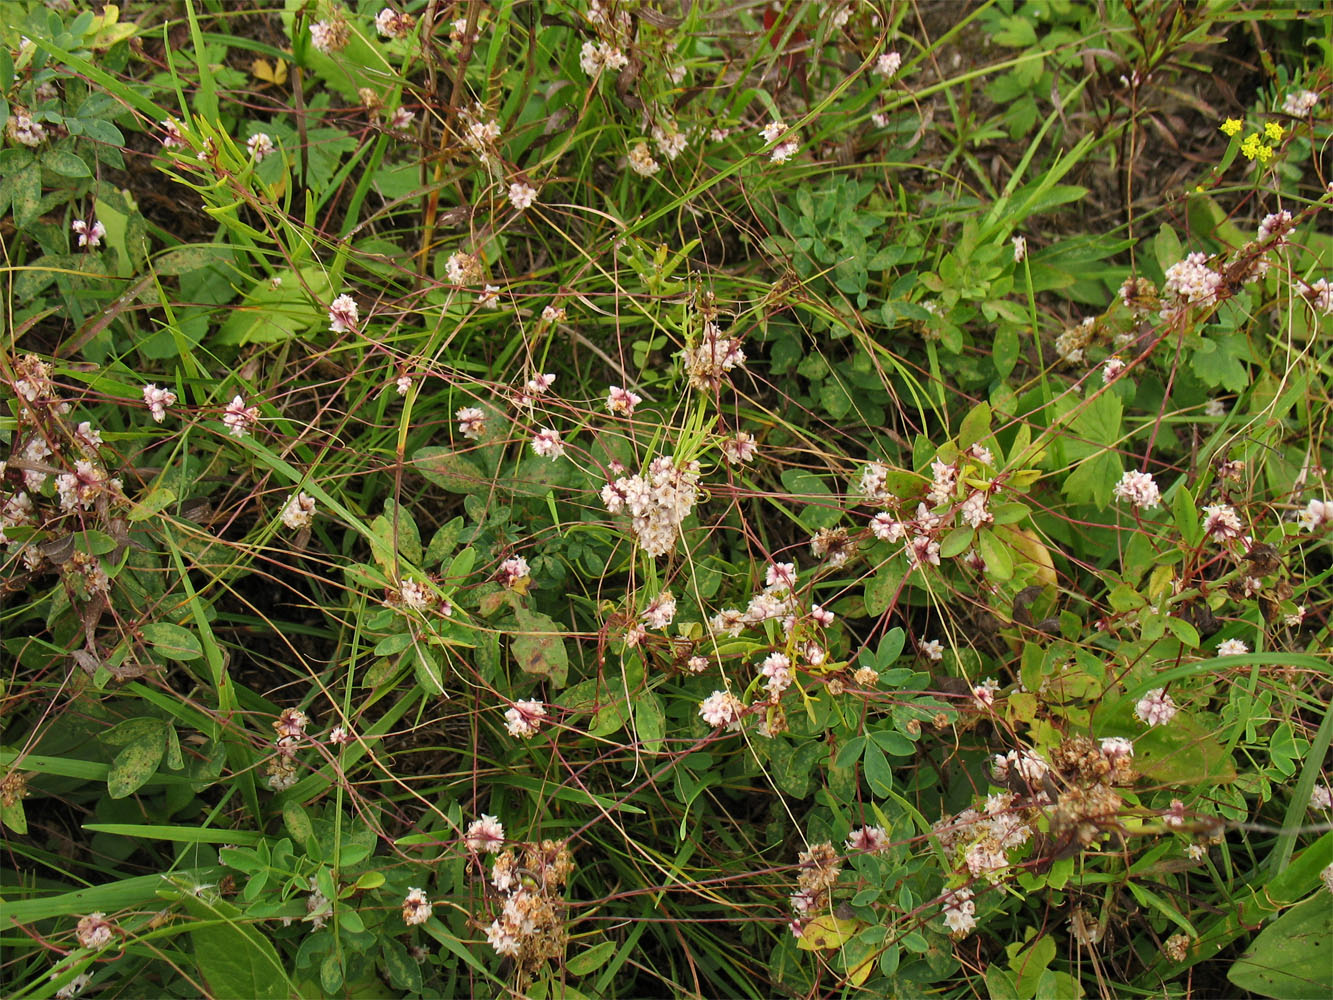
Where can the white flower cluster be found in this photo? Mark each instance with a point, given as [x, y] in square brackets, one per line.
[23, 129]
[1190, 282]
[739, 449]
[776, 600]
[641, 160]
[299, 511]
[1139, 490]
[1316, 514]
[671, 142]
[597, 56]
[330, 36]
[1221, 522]
[524, 720]
[1300, 103]
[985, 838]
[239, 418]
[391, 24]
[708, 363]
[960, 911]
[260, 146]
[480, 131]
[1275, 226]
[1072, 340]
[657, 502]
[1156, 708]
[471, 422]
[463, 268]
[722, 708]
[82, 487]
[485, 835]
[1320, 295]
[785, 149]
[416, 907]
[661, 611]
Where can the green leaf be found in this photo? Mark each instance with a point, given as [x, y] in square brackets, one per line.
[539, 646]
[277, 309]
[792, 765]
[1166, 247]
[1217, 364]
[172, 641]
[591, 959]
[135, 764]
[818, 507]
[1290, 957]
[975, 426]
[429, 673]
[882, 588]
[650, 721]
[1183, 753]
[878, 773]
[297, 822]
[998, 556]
[13, 816]
[443, 542]
[1004, 352]
[403, 972]
[25, 194]
[893, 744]
[1093, 481]
[65, 163]
[450, 471]
[153, 502]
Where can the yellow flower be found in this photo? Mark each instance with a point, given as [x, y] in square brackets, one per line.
[1250, 147]
[1231, 126]
[1264, 153]
[1274, 131]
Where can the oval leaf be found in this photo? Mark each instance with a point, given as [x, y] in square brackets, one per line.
[539, 648]
[172, 641]
[135, 765]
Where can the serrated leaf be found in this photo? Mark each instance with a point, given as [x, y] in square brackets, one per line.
[172, 641]
[539, 646]
[135, 764]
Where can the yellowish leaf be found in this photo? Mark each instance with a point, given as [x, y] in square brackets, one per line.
[827, 932]
[1026, 542]
[274, 73]
[861, 973]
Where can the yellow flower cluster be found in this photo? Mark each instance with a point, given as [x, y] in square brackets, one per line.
[1253, 147]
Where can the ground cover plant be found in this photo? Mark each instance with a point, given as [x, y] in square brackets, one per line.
[595, 499]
